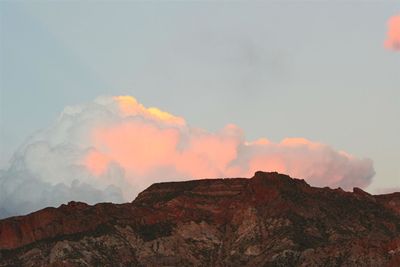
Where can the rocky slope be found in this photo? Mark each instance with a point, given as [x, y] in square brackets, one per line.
[268, 220]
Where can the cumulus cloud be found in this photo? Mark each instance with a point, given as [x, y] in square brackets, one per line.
[114, 147]
[392, 41]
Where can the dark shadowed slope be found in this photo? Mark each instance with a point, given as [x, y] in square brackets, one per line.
[268, 220]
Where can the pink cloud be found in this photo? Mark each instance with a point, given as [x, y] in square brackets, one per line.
[392, 41]
[150, 145]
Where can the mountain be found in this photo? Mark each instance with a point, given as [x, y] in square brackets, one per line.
[267, 220]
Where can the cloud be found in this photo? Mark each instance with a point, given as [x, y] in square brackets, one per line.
[114, 147]
[392, 41]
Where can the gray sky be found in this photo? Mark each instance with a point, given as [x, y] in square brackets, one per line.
[299, 69]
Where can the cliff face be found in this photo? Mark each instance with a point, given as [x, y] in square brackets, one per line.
[268, 220]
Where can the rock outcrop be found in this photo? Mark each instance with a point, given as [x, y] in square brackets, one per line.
[268, 220]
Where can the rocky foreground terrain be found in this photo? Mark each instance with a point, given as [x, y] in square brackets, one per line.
[268, 220]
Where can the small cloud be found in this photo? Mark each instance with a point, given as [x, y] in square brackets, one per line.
[392, 41]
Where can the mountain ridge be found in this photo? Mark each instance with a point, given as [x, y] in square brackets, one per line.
[270, 219]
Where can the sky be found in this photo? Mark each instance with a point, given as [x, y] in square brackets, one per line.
[320, 71]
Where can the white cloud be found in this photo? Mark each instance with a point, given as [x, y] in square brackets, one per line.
[114, 147]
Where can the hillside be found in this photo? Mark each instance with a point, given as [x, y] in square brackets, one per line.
[267, 220]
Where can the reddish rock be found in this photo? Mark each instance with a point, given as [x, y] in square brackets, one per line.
[268, 220]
